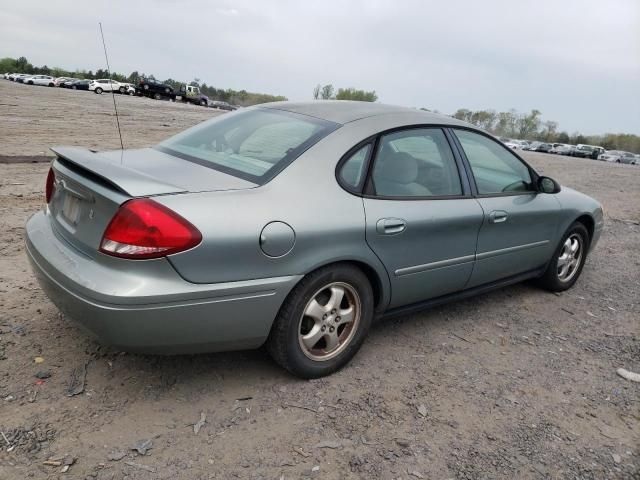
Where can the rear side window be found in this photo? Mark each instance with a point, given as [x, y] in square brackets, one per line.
[352, 171]
[495, 168]
[415, 163]
[254, 144]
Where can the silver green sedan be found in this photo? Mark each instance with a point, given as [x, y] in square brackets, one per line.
[296, 225]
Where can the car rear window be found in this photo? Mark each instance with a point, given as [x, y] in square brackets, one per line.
[254, 144]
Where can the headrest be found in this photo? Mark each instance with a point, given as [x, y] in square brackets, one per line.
[398, 167]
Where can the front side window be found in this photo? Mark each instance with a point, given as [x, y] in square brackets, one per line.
[254, 144]
[415, 163]
[495, 168]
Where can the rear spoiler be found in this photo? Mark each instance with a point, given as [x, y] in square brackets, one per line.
[126, 180]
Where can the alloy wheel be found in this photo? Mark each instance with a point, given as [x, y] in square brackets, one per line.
[570, 257]
[329, 321]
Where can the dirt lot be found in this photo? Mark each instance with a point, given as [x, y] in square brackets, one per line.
[33, 119]
[519, 383]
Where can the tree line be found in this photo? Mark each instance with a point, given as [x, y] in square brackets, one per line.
[530, 126]
[512, 124]
[236, 97]
[328, 92]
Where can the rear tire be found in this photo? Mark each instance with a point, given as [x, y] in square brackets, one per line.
[157, 96]
[568, 260]
[74, 87]
[322, 322]
[203, 103]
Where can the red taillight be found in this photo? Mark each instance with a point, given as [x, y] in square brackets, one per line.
[50, 185]
[142, 229]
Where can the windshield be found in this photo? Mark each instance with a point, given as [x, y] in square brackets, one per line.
[254, 144]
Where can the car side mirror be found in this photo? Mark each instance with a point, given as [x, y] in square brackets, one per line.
[548, 185]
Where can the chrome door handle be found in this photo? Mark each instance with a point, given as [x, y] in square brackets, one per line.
[498, 216]
[390, 226]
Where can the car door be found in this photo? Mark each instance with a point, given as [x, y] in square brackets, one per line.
[519, 223]
[421, 220]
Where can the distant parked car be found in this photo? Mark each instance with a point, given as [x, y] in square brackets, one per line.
[611, 156]
[104, 85]
[543, 147]
[43, 80]
[587, 151]
[628, 158]
[127, 89]
[561, 149]
[69, 81]
[222, 105]
[618, 156]
[79, 85]
[20, 77]
[58, 81]
[512, 144]
[152, 88]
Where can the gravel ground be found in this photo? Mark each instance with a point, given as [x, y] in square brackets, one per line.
[519, 383]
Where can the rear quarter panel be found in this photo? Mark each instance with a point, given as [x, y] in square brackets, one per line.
[329, 223]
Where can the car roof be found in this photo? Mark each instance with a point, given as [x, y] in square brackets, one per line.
[345, 111]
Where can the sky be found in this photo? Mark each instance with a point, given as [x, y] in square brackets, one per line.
[577, 61]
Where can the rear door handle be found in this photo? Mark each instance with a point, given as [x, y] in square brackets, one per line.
[498, 216]
[390, 226]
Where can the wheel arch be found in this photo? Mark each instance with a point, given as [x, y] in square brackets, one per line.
[378, 278]
[589, 224]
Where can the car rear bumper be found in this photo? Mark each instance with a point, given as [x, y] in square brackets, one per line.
[146, 306]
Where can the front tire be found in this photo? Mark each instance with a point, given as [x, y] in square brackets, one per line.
[568, 260]
[157, 96]
[322, 322]
[99, 91]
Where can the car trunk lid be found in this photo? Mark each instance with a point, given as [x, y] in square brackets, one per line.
[89, 187]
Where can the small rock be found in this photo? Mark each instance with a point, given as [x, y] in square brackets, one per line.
[42, 374]
[415, 474]
[315, 468]
[38, 360]
[116, 455]
[616, 458]
[142, 446]
[422, 410]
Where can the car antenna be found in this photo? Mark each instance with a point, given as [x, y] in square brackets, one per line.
[113, 95]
